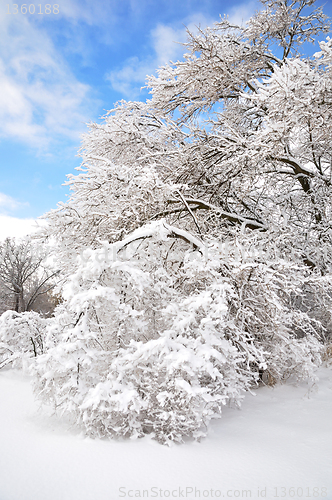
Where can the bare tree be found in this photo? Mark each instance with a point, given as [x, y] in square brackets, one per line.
[24, 278]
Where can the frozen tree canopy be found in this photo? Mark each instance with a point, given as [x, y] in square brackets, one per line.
[196, 245]
[236, 134]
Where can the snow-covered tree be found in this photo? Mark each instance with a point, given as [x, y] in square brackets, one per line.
[232, 135]
[22, 337]
[24, 277]
[197, 240]
[158, 331]
[262, 156]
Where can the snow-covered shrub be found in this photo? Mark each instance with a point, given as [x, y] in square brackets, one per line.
[22, 336]
[158, 331]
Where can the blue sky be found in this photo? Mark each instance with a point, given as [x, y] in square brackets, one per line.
[59, 71]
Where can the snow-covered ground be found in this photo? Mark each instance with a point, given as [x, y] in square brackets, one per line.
[278, 446]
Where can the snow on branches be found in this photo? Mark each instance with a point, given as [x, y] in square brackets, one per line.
[160, 325]
[158, 332]
[22, 336]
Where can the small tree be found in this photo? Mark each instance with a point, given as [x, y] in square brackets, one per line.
[22, 337]
[24, 277]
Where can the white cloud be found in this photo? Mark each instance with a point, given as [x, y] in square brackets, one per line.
[92, 13]
[7, 203]
[129, 79]
[240, 14]
[40, 97]
[12, 227]
[166, 43]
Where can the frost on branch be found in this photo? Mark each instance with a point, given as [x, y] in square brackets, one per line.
[158, 332]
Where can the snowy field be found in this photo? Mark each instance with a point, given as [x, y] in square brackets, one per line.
[278, 446]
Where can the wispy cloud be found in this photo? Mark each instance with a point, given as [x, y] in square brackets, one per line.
[129, 78]
[41, 99]
[240, 14]
[91, 13]
[166, 45]
[9, 204]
